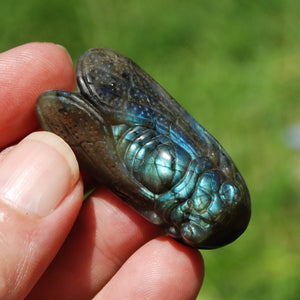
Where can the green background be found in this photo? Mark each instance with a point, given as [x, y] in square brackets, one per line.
[234, 65]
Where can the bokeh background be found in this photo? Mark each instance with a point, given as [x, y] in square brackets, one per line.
[234, 65]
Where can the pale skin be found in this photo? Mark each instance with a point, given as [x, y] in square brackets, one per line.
[52, 246]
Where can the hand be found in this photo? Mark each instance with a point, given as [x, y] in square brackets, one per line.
[52, 246]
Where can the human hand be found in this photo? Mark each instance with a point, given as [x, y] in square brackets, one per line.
[52, 246]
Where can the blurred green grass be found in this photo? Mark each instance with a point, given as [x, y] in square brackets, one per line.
[235, 66]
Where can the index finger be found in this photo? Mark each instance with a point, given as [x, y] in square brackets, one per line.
[25, 72]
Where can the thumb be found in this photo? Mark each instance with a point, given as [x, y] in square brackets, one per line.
[40, 197]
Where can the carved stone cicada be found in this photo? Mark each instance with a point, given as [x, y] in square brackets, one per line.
[131, 135]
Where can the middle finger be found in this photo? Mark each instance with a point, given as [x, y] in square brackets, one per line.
[106, 233]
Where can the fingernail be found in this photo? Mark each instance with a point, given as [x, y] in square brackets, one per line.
[65, 49]
[37, 174]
